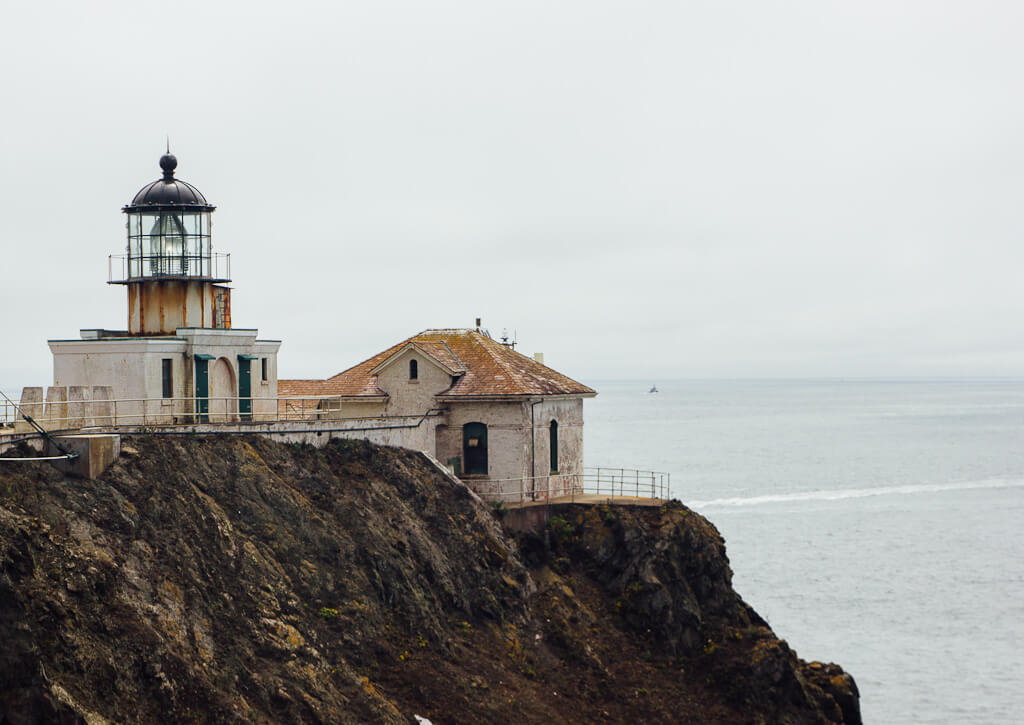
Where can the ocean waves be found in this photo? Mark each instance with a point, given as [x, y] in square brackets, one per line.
[839, 494]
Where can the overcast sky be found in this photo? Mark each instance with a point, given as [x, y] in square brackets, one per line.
[637, 189]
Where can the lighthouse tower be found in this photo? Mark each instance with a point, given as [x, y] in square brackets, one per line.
[173, 278]
[180, 361]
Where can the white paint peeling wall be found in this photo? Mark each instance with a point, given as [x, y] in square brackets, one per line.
[507, 437]
[516, 448]
[407, 396]
[412, 432]
[568, 413]
[132, 367]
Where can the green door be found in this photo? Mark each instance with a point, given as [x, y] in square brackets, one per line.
[474, 449]
[203, 387]
[245, 386]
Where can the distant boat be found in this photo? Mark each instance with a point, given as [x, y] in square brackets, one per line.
[654, 389]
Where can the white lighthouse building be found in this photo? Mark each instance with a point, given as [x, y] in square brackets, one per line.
[179, 360]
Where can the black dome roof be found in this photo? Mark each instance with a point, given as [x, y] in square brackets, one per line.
[169, 193]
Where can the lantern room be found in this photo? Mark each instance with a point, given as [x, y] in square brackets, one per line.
[173, 277]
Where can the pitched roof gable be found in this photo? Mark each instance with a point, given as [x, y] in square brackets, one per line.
[490, 369]
[435, 351]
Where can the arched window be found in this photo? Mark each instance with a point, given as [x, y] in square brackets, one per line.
[553, 444]
[474, 448]
[414, 370]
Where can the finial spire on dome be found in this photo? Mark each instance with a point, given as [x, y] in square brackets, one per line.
[168, 162]
[168, 191]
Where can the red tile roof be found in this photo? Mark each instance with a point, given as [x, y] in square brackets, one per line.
[299, 388]
[491, 369]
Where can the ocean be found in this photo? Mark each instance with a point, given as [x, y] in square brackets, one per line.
[875, 524]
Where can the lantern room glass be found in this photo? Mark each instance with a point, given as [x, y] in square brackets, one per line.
[169, 243]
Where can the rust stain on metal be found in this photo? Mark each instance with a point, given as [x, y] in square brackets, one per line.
[132, 304]
[160, 297]
[159, 307]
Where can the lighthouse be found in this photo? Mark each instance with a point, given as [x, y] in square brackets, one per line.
[172, 275]
[179, 361]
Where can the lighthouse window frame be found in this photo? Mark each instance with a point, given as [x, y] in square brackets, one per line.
[151, 233]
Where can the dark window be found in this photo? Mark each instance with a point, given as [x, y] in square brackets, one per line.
[266, 374]
[554, 446]
[474, 449]
[414, 370]
[167, 379]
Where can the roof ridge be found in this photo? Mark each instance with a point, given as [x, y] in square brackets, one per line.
[381, 355]
[456, 357]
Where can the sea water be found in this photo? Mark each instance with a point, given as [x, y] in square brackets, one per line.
[876, 524]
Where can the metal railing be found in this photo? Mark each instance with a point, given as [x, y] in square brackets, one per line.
[73, 414]
[593, 481]
[123, 267]
[628, 482]
[8, 410]
[171, 413]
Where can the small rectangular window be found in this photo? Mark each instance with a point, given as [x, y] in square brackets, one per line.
[553, 445]
[263, 369]
[168, 381]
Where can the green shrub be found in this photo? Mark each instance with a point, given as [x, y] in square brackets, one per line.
[561, 528]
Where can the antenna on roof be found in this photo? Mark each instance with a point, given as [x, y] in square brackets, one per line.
[505, 340]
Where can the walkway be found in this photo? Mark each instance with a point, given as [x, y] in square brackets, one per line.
[590, 499]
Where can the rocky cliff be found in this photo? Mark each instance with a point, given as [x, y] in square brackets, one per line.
[240, 580]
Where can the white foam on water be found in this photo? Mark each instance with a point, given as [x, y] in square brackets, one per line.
[839, 494]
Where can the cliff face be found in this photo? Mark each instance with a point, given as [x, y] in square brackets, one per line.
[240, 580]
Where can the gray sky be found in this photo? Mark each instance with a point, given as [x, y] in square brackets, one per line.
[639, 189]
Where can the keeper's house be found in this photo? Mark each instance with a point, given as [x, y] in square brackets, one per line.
[509, 425]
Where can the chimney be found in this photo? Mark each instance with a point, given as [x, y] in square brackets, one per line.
[478, 324]
[539, 357]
